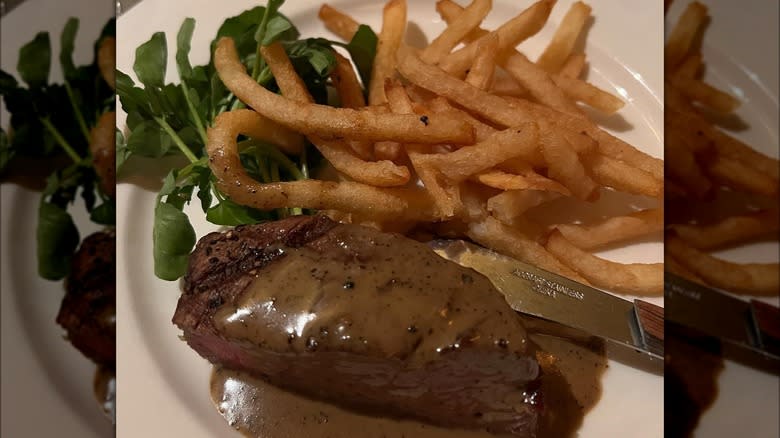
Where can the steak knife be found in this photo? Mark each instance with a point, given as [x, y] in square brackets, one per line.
[749, 332]
[634, 331]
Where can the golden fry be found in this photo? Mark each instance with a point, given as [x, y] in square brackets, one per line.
[633, 278]
[328, 122]
[390, 39]
[562, 43]
[613, 229]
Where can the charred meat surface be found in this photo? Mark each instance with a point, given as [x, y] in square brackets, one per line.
[88, 310]
[372, 321]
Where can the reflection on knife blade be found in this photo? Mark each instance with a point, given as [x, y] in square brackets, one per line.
[629, 327]
[750, 331]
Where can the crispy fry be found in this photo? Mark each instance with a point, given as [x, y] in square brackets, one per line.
[705, 94]
[328, 122]
[620, 176]
[482, 130]
[520, 141]
[510, 34]
[443, 44]
[538, 83]
[564, 165]
[512, 204]
[730, 231]
[530, 76]
[359, 198]
[673, 266]
[508, 241]
[740, 176]
[338, 153]
[613, 229]
[573, 66]
[681, 166]
[683, 35]
[562, 43]
[390, 38]
[481, 73]
[757, 279]
[589, 94]
[634, 278]
[500, 179]
[504, 85]
[690, 66]
[338, 22]
[346, 83]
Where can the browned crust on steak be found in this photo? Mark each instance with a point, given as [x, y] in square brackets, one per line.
[88, 309]
[218, 267]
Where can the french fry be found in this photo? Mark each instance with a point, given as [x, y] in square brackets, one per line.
[510, 34]
[683, 35]
[499, 179]
[673, 266]
[530, 75]
[589, 94]
[232, 180]
[338, 153]
[512, 204]
[730, 231]
[573, 66]
[443, 44]
[560, 46]
[705, 94]
[613, 229]
[504, 85]
[481, 73]
[634, 278]
[538, 83]
[564, 165]
[681, 166]
[338, 22]
[481, 129]
[390, 38]
[328, 122]
[620, 176]
[756, 279]
[493, 234]
[346, 83]
[445, 197]
[740, 176]
[520, 141]
[690, 66]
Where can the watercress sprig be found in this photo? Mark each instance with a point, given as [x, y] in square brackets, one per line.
[172, 119]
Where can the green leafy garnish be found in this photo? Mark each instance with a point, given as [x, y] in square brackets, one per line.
[48, 120]
[172, 119]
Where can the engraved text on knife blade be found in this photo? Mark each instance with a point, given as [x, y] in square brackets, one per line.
[546, 287]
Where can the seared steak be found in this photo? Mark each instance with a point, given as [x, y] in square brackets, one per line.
[88, 310]
[373, 321]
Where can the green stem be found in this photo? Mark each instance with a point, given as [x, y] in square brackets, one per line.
[176, 139]
[259, 37]
[194, 114]
[60, 140]
[77, 112]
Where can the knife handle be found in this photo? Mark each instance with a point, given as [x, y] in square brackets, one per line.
[767, 320]
[650, 319]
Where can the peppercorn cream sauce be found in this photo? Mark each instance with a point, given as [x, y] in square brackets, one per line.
[352, 299]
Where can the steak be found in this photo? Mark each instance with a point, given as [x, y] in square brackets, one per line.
[372, 321]
[88, 309]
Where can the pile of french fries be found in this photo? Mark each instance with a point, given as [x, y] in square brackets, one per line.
[462, 137]
[720, 192]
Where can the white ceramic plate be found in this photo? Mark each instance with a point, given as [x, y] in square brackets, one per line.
[745, 63]
[163, 384]
[47, 384]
